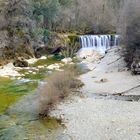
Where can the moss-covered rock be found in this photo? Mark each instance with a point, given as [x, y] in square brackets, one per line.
[10, 91]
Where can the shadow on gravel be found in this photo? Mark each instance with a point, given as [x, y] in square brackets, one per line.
[130, 98]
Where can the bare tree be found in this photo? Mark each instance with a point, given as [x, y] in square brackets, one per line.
[130, 30]
[99, 16]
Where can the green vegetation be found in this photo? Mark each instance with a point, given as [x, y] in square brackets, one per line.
[47, 11]
[10, 91]
[25, 23]
[51, 123]
[49, 61]
[39, 75]
[6, 101]
[71, 47]
[41, 72]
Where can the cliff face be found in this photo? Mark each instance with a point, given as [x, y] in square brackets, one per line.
[16, 29]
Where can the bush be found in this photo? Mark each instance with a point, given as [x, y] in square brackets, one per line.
[70, 47]
[130, 31]
[58, 87]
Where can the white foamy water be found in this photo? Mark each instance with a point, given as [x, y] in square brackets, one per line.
[99, 43]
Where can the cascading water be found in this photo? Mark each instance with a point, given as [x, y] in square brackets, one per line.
[99, 43]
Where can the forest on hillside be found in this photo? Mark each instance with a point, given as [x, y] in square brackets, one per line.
[24, 23]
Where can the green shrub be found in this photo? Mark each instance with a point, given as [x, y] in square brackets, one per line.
[71, 47]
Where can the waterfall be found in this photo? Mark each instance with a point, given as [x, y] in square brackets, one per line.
[99, 42]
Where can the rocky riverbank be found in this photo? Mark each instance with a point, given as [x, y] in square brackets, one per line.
[20, 97]
[101, 117]
[107, 107]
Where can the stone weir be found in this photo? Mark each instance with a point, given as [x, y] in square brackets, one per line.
[99, 43]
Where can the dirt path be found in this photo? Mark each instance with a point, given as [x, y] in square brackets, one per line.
[91, 118]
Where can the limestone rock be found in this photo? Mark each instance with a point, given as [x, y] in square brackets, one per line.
[40, 67]
[43, 58]
[32, 60]
[53, 66]
[89, 54]
[66, 60]
[9, 70]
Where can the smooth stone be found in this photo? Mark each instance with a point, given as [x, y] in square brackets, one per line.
[43, 58]
[41, 67]
[66, 60]
[53, 66]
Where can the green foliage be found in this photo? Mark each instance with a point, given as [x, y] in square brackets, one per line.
[74, 38]
[48, 61]
[47, 12]
[65, 3]
[46, 34]
[38, 76]
[71, 46]
[58, 57]
[48, 9]
[10, 87]
[41, 73]
[20, 33]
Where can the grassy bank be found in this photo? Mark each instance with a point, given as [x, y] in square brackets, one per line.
[10, 91]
